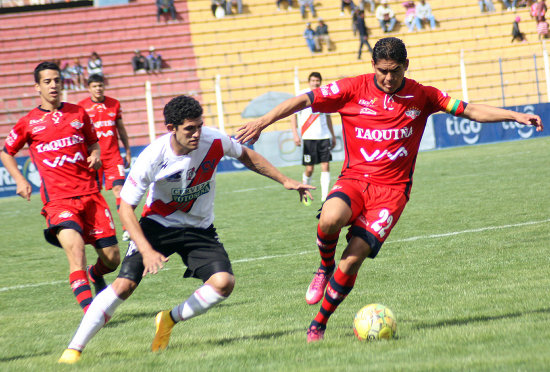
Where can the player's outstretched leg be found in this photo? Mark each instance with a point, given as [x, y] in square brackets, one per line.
[98, 314]
[327, 249]
[339, 286]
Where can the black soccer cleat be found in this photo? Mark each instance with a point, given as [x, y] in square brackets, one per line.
[98, 282]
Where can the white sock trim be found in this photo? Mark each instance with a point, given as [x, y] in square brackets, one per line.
[198, 303]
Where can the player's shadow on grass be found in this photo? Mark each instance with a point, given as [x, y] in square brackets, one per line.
[257, 337]
[124, 317]
[476, 319]
[22, 356]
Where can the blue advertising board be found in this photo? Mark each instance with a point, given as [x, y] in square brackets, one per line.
[455, 131]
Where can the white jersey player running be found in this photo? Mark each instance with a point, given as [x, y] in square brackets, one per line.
[316, 138]
[179, 170]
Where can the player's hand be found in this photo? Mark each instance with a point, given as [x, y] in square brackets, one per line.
[303, 190]
[530, 119]
[534, 120]
[250, 132]
[333, 143]
[153, 261]
[24, 189]
[128, 159]
[94, 162]
[297, 141]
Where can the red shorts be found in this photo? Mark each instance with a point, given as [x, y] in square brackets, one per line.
[113, 170]
[88, 214]
[375, 209]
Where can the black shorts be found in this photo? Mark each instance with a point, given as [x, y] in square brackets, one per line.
[316, 151]
[200, 250]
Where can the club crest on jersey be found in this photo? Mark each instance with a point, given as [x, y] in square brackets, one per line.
[77, 124]
[111, 114]
[413, 112]
[191, 173]
[65, 214]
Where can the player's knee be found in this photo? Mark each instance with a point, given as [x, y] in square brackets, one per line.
[331, 222]
[112, 255]
[124, 287]
[222, 282]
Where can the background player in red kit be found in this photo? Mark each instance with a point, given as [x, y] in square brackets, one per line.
[63, 146]
[383, 117]
[106, 116]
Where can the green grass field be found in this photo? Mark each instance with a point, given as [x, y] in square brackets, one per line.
[466, 271]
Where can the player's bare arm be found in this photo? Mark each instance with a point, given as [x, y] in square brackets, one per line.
[123, 135]
[294, 128]
[257, 163]
[23, 187]
[94, 161]
[250, 132]
[331, 130]
[486, 114]
[152, 260]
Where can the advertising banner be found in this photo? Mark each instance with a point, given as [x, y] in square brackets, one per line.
[455, 131]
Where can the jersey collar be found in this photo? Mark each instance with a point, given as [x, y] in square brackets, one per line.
[380, 89]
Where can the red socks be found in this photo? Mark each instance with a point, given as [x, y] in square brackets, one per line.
[339, 286]
[81, 288]
[327, 248]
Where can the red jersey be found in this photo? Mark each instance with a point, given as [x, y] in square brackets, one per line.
[58, 144]
[104, 116]
[382, 132]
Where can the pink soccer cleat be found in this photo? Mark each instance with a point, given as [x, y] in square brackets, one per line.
[316, 288]
[315, 333]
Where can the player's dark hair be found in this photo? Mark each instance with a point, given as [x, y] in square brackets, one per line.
[45, 66]
[96, 78]
[315, 74]
[390, 48]
[181, 108]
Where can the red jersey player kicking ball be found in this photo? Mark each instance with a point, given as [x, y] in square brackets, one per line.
[383, 117]
[63, 145]
[106, 116]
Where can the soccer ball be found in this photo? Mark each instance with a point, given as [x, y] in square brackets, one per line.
[375, 322]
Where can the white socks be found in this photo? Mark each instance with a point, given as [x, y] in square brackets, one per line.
[100, 311]
[305, 179]
[325, 185]
[198, 303]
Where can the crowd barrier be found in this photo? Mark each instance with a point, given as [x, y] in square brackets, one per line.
[278, 147]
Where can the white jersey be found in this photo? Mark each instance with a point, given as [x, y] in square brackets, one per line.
[181, 188]
[316, 130]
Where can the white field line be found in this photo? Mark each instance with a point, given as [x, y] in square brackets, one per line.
[252, 259]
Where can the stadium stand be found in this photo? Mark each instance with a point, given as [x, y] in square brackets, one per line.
[258, 51]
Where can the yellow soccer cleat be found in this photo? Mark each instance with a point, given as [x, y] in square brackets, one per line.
[164, 324]
[70, 356]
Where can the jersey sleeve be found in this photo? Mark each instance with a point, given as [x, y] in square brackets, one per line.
[139, 179]
[332, 97]
[17, 138]
[118, 111]
[440, 101]
[88, 129]
[231, 147]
